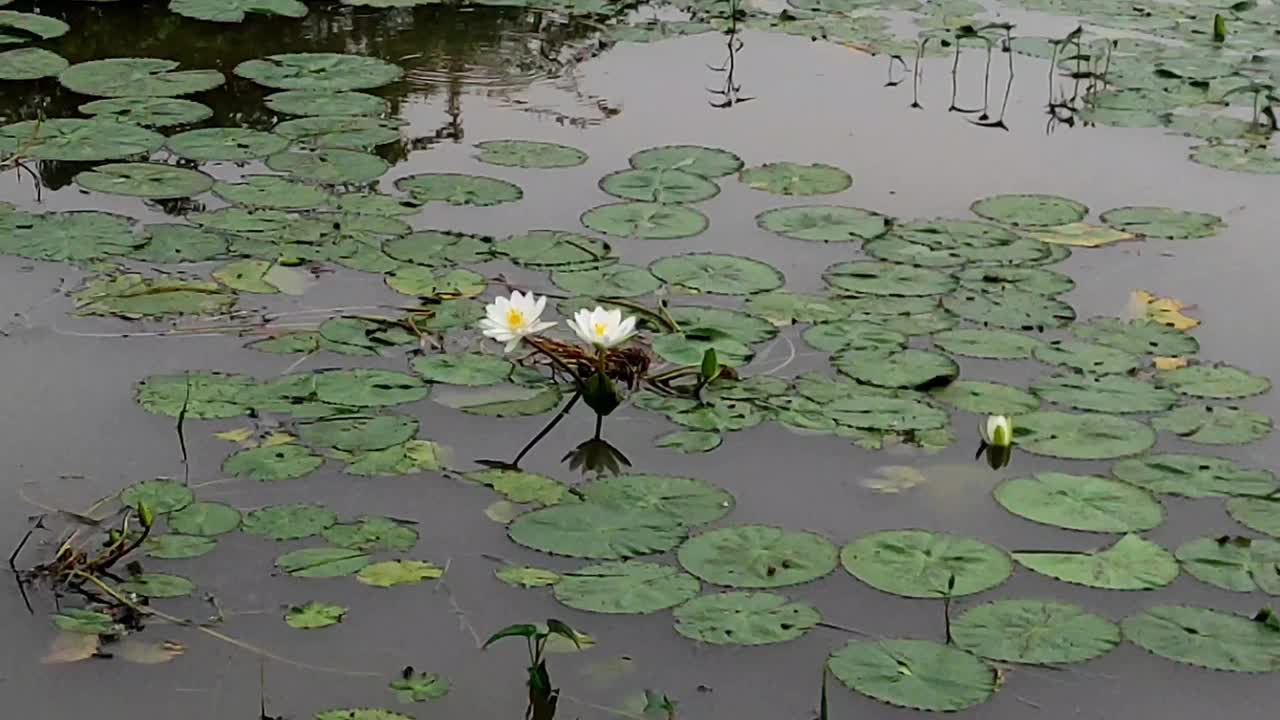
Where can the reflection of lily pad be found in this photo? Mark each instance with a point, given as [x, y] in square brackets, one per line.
[145, 180]
[1080, 502]
[1030, 210]
[1105, 393]
[718, 274]
[704, 161]
[1214, 424]
[1194, 476]
[149, 112]
[591, 530]
[744, 618]
[1160, 222]
[319, 71]
[1206, 638]
[1132, 563]
[923, 564]
[881, 278]
[631, 587]
[646, 220]
[914, 673]
[1034, 632]
[758, 556]
[137, 77]
[788, 178]
[1085, 436]
[529, 154]
[824, 223]
[458, 189]
[228, 144]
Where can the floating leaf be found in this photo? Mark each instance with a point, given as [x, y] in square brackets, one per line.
[68, 647]
[145, 180]
[20, 27]
[1137, 336]
[429, 283]
[314, 615]
[705, 161]
[406, 458]
[172, 243]
[1034, 632]
[372, 533]
[458, 189]
[398, 572]
[1085, 436]
[992, 344]
[718, 274]
[432, 248]
[618, 280]
[205, 518]
[631, 587]
[158, 585]
[1080, 235]
[330, 166]
[919, 563]
[987, 398]
[1167, 311]
[690, 441]
[472, 369]
[824, 223]
[1086, 357]
[421, 687]
[914, 673]
[1080, 502]
[319, 71]
[1106, 393]
[529, 154]
[645, 220]
[1030, 210]
[879, 278]
[554, 249]
[521, 487]
[368, 387]
[271, 191]
[854, 335]
[137, 77]
[1258, 159]
[1132, 563]
[149, 112]
[289, 522]
[526, 577]
[322, 562]
[359, 432]
[506, 400]
[908, 368]
[348, 132]
[1010, 308]
[30, 64]
[744, 618]
[282, 462]
[1027, 279]
[1214, 424]
[1166, 223]
[1205, 638]
[63, 237]
[591, 530]
[757, 556]
[1233, 563]
[87, 622]
[871, 412]
[1195, 476]
[1214, 381]
[693, 502]
[161, 496]
[134, 296]
[788, 178]
[325, 102]
[225, 144]
[659, 186]
[196, 395]
[361, 714]
[1257, 513]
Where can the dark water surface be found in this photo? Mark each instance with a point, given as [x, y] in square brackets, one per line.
[71, 431]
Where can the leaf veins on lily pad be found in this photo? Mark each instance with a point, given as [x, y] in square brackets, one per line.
[398, 572]
[789, 178]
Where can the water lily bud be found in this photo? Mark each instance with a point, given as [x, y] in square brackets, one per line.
[710, 365]
[145, 515]
[600, 394]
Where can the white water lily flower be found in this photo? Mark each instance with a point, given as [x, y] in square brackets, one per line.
[602, 328]
[998, 431]
[510, 320]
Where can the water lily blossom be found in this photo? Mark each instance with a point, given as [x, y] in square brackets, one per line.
[510, 320]
[602, 328]
[997, 431]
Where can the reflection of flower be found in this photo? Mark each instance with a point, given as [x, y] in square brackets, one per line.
[597, 456]
[509, 320]
[997, 432]
[602, 328]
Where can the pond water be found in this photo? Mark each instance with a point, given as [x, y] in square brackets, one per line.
[831, 426]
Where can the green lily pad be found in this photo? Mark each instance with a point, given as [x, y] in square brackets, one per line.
[145, 180]
[368, 388]
[526, 577]
[865, 277]
[1086, 357]
[1034, 632]
[325, 102]
[322, 562]
[20, 27]
[261, 276]
[148, 111]
[329, 166]
[178, 547]
[348, 132]
[158, 585]
[1028, 279]
[77, 140]
[1206, 638]
[1137, 336]
[915, 674]
[459, 189]
[398, 572]
[289, 522]
[363, 336]
[894, 249]
[372, 533]
[529, 154]
[713, 322]
[30, 64]
[987, 398]
[280, 462]
[705, 161]
[319, 71]
[409, 457]
[659, 186]
[945, 233]
[554, 250]
[421, 687]
[788, 178]
[504, 400]
[1030, 210]
[205, 518]
[1011, 308]
[618, 280]
[226, 144]
[717, 274]
[910, 368]
[137, 77]
[1237, 564]
[1105, 393]
[428, 283]
[824, 223]
[1257, 513]
[372, 203]
[169, 243]
[271, 191]
[744, 618]
[889, 414]
[855, 335]
[133, 296]
[1214, 424]
[160, 496]
[631, 587]
[233, 11]
[1132, 563]
[991, 344]
[757, 556]
[196, 395]
[603, 532]
[472, 369]
[359, 432]
[361, 714]
[919, 563]
[1219, 382]
[1085, 436]
[691, 501]
[87, 622]
[689, 441]
[521, 487]
[1165, 223]
[314, 615]
[1194, 476]
[645, 220]
[1256, 159]
[1080, 502]
[432, 248]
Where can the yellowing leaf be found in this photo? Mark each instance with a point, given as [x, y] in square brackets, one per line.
[1169, 363]
[1166, 311]
[238, 435]
[278, 438]
[69, 647]
[502, 511]
[147, 653]
[893, 479]
[1081, 234]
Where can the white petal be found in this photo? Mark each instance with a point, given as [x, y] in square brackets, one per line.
[627, 328]
[539, 327]
[539, 306]
[512, 345]
[614, 318]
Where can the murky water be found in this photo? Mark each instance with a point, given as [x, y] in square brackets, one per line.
[71, 431]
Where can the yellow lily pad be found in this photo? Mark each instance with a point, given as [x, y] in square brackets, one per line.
[1080, 234]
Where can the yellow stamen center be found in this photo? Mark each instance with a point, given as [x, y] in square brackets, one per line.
[515, 318]
[599, 329]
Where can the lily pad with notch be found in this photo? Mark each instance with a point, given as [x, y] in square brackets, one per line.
[271, 191]
[1195, 476]
[329, 166]
[824, 223]
[1010, 308]
[137, 77]
[758, 556]
[1105, 393]
[1206, 638]
[30, 63]
[204, 519]
[1034, 632]
[1084, 436]
[592, 530]
[79, 140]
[372, 533]
[314, 615]
[645, 220]
[226, 144]
[744, 618]
[789, 178]
[864, 277]
[319, 71]
[427, 282]
[1137, 336]
[289, 522]
[322, 562]
[158, 585]
[1257, 513]
[1214, 424]
[459, 189]
[356, 433]
[19, 27]
[346, 132]
[659, 186]
[161, 496]
[924, 564]
[1029, 279]
[234, 11]
[1164, 223]
[152, 181]
[148, 111]
[630, 587]
[266, 464]
[471, 369]
[529, 154]
[555, 250]
[1220, 382]
[522, 487]
[987, 398]
[1086, 357]
[178, 547]
[623, 281]
[909, 368]
[1132, 563]
[1238, 564]
[435, 248]
[916, 674]
[1086, 503]
[406, 458]
[325, 102]
[990, 344]
[717, 274]
[854, 335]
[1030, 210]
[197, 395]
[393, 573]
[693, 502]
[704, 161]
